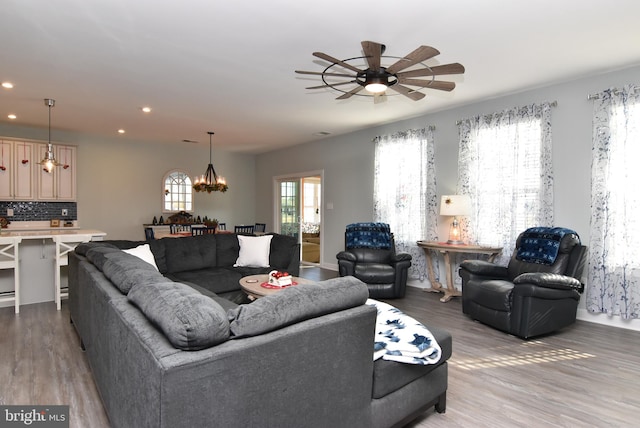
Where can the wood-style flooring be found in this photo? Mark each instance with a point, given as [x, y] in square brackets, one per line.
[587, 375]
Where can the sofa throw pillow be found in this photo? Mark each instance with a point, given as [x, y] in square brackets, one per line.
[295, 304]
[143, 252]
[254, 251]
[188, 319]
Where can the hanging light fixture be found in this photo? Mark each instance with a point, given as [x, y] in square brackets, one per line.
[210, 182]
[49, 161]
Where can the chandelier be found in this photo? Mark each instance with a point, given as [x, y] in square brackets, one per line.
[49, 161]
[210, 182]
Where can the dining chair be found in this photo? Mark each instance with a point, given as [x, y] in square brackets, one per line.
[206, 230]
[177, 228]
[148, 234]
[260, 227]
[244, 229]
[222, 226]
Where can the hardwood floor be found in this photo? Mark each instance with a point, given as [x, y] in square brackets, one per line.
[587, 375]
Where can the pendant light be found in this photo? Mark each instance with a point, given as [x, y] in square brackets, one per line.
[49, 161]
[210, 182]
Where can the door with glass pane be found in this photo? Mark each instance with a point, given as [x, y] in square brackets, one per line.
[299, 213]
[289, 207]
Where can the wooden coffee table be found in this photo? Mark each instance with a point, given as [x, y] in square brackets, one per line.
[252, 285]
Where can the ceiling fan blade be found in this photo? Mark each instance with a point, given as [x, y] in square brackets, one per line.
[336, 61]
[331, 85]
[431, 84]
[319, 73]
[423, 53]
[438, 70]
[414, 95]
[373, 52]
[350, 93]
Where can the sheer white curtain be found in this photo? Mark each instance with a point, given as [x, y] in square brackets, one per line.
[505, 166]
[614, 242]
[404, 192]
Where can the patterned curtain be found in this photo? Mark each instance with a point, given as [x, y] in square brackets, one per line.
[404, 192]
[505, 166]
[614, 242]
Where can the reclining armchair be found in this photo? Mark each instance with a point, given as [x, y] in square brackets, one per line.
[537, 293]
[370, 256]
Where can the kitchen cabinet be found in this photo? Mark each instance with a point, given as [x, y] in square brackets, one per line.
[59, 184]
[17, 163]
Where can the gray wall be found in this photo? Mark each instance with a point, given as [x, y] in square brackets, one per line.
[347, 161]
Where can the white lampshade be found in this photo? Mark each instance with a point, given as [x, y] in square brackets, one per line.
[455, 205]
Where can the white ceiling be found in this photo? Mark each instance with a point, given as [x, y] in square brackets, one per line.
[228, 66]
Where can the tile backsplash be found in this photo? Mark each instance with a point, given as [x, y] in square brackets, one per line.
[38, 211]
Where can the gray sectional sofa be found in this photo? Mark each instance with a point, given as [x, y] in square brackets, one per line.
[168, 353]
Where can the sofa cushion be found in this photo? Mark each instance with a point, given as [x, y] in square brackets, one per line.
[227, 249]
[389, 376]
[215, 279]
[189, 320]
[295, 304]
[192, 253]
[84, 247]
[283, 249]
[96, 255]
[143, 252]
[254, 251]
[125, 271]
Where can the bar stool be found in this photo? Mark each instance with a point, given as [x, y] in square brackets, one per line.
[64, 245]
[9, 259]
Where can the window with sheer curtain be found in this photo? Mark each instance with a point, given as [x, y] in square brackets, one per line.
[504, 165]
[614, 241]
[404, 192]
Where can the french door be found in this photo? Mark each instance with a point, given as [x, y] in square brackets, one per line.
[289, 207]
[298, 210]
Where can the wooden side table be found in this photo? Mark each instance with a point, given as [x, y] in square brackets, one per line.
[446, 249]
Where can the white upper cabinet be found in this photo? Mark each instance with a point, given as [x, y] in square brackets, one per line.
[60, 183]
[17, 162]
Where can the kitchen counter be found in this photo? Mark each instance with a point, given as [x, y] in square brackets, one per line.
[38, 261]
[50, 233]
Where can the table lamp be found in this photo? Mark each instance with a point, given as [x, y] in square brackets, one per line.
[455, 205]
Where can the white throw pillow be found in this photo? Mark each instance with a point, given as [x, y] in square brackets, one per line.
[143, 252]
[254, 251]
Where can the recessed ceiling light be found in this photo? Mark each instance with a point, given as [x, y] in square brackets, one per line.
[121, 131]
[7, 85]
[12, 116]
[146, 109]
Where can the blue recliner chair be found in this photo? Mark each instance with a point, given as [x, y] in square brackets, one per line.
[370, 256]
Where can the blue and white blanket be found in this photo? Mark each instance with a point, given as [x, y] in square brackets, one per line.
[401, 338]
[542, 244]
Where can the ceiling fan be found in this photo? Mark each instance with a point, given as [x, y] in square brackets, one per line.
[376, 79]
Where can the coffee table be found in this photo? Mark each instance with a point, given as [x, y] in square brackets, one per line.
[252, 285]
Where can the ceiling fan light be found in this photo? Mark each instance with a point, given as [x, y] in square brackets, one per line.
[376, 87]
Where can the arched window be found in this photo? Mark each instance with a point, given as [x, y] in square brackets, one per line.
[177, 192]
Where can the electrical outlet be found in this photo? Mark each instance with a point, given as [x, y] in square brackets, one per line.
[9, 212]
[65, 211]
